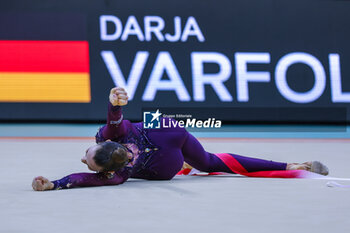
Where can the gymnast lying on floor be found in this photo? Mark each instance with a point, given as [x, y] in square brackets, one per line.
[126, 149]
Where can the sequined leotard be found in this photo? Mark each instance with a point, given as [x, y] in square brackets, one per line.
[160, 154]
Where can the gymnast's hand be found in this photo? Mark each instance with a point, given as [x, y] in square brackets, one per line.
[118, 96]
[41, 184]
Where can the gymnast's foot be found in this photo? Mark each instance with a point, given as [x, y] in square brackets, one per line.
[312, 166]
[186, 166]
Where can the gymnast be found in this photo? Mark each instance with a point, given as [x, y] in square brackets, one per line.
[126, 149]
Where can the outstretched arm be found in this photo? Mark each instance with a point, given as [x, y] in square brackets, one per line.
[81, 180]
[115, 126]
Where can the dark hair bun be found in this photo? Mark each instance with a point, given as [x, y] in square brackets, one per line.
[111, 156]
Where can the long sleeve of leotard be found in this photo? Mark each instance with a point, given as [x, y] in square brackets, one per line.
[91, 179]
[115, 127]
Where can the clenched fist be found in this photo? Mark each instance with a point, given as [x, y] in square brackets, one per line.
[118, 96]
[41, 184]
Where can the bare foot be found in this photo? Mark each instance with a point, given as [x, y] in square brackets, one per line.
[299, 166]
[186, 165]
[312, 166]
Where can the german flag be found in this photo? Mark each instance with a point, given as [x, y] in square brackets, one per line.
[44, 70]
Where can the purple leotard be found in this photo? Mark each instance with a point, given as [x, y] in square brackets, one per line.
[161, 153]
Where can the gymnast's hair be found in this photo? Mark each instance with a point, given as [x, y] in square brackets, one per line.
[111, 156]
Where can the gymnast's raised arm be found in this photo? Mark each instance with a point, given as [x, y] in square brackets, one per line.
[115, 127]
[111, 155]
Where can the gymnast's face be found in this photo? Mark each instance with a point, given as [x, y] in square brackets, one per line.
[88, 159]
